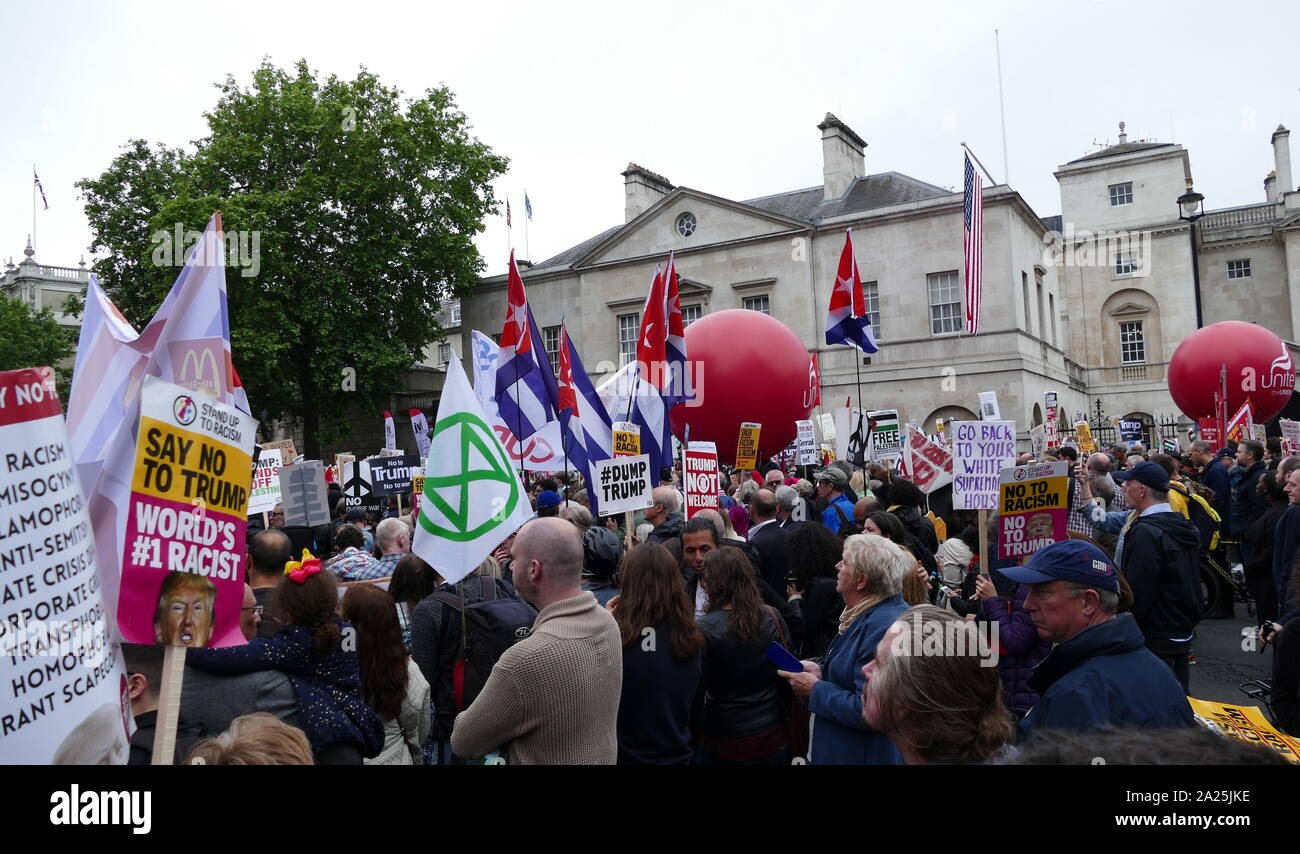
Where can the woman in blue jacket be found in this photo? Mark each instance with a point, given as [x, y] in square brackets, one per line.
[870, 582]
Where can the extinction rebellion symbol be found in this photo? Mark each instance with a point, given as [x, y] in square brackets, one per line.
[468, 513]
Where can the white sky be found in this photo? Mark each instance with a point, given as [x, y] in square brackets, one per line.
[722, 97]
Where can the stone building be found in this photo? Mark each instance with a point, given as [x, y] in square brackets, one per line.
[43, 286]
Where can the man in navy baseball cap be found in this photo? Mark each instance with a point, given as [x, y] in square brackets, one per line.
[1147, 473]
[1100, 672]
[548, 503]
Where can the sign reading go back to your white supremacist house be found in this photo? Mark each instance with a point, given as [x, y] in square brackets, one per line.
[623, 484]
[62, 682]
[981, 450]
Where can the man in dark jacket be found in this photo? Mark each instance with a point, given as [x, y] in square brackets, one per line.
[1100, 672]
[664, 515]
[1160, 557]
[767, 537]
[1247, 504]
[1214, 475]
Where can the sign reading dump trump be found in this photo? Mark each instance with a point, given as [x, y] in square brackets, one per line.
[623, 484]
[61, 678]
[980, 451]
[1033, 508]
[182, 579]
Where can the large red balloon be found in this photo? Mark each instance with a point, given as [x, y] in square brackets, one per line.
[1259, 365]
[749, 367]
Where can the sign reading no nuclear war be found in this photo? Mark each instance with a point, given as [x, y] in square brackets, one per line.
[62, 683]
[886, 441]
[624, 484]
[747, 446]
[1083, 434]
[627, 439]
[980, 451]
[1033, 509]
[701, 475]
[182, 583]
[265, 492]
[393, 475]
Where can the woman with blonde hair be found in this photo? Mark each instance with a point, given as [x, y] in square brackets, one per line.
[259, 738]
[870, 581]
[944, 708]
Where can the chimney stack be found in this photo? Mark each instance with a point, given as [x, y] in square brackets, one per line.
[843, 157]
[1270, 187]
[642, 188]
[1282, 161]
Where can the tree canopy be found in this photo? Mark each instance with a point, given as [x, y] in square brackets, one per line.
[355, 209]
[34, 339]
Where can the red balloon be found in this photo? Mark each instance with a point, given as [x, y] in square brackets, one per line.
[1259, 365]
[749, 366]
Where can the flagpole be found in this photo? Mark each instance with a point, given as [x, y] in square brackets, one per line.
[857, 369]
[527, 251]
[1002, 108]
[33, 239]
[978, 163]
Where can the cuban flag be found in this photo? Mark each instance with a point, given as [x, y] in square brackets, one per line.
[650, 401]
[681, 388]
[524, 389]
[584, 422]
[847, 322]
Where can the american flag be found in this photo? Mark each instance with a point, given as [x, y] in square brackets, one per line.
[973, 220]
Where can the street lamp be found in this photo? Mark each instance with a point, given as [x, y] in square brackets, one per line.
[1191, 207]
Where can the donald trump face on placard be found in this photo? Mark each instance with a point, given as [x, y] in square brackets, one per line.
[184, 615]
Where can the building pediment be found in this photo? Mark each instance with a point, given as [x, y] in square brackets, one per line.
[686, 219]
[1129, 309]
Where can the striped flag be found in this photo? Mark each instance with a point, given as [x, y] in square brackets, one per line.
[846, 319]
[521, 384]
[584, 422]
[973, 221]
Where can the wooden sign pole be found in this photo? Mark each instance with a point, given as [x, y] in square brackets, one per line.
[169, 705]
[984, 542]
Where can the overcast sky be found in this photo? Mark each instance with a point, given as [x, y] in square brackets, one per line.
[721, 97]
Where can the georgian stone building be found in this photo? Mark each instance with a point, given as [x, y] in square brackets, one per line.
[42, 286]
[778, 254]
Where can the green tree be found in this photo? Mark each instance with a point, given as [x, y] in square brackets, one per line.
[34, 339]
[364, 206]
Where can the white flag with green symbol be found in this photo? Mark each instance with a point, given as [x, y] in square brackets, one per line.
[472, 496]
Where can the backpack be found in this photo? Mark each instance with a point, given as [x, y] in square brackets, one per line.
[1202, 515]
[490, 627]
[847, 526]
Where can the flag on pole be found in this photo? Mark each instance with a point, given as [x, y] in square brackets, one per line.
[846, 319]
[472, 496]
[681, 386]
[187, 343]
[528, 206]
[973, 248]
[521, 387]
[36, 179]
[390, 432]
[508, 213]
[584, 422]
[1239, 424]
[420, 425]
[816, 379]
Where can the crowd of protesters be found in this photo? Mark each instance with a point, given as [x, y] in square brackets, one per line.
[834, 618]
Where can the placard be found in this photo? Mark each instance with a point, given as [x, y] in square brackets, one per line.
[929, 463]
[1130, 430]
[264, 493]
[1245, 723]
[1083, 435]
[393, 475]
[627, 439]
[981, 450]
[285, 446]
[358, 487]
[886, 441]
[1170, 446]
[1053, 421]
[989, 410]
[1290, 437]
[623, 484]
[828, 427]
[747, 445]
[303, 494]
[1038, 441]
[701, 478]
[182, 565]
[1209, 432]
[806, 442]
[62, 684]
[1032, 509]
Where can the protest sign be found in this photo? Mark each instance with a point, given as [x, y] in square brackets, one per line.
[627, 439]
[1170, 446]
[393, 475]
[1290, 437]
[303, 495]
[886, 441]
[929, 463]
[1083, 434]
[827, 424]
[1239, 425]
[806, 442]
[285, 446]
[1033, 508]
[858, 439]
[186, 524]
[1209, 431]
[1259, 433]
[62, 683]
[265, 492]
[417, 479]
[390, 431]
[1053, 421]
[981, 450]
[989, 410]
[747, 445]
[623, 484]
[1245, 723]
[358, 486]
[1130, 431]
[1037, 440]
[701, 478]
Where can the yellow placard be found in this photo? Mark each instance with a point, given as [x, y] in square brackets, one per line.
[747, 447]
[1083, 433]
[417, 484]
[1246, 723]
[627, 443]
[190, 468]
